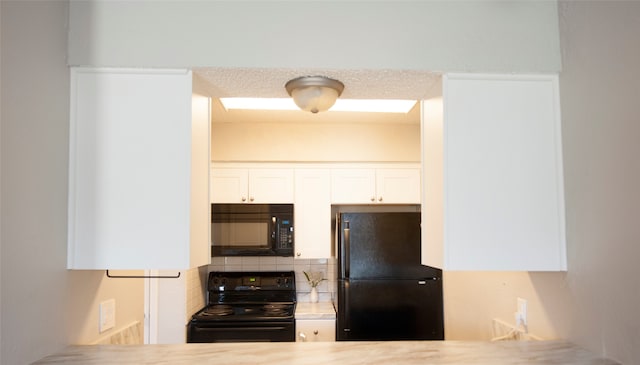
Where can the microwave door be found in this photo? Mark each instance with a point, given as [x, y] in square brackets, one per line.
[240, 236]
[252, 230]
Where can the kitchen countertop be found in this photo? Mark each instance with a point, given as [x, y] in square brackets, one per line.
[320, 310]
[343, 353]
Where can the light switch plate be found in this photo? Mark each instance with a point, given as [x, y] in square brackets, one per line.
[107, 315]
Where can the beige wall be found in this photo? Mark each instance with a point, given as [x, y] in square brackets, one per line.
[315, 142]
[44, 306]
[474, 299]
[599, 91]
[84, 292]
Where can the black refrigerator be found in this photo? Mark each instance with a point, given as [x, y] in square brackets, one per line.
[383, 292]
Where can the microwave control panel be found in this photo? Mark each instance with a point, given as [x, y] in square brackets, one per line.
[285, 234]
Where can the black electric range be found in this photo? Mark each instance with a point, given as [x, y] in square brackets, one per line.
[246, 307]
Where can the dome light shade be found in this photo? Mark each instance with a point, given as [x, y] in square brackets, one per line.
[314, 93]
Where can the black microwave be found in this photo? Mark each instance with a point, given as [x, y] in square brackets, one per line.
[252, 230]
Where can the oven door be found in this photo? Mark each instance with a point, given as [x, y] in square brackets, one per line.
[258, 331]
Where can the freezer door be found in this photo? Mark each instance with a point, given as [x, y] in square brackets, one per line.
[385, 310]
[380, 246]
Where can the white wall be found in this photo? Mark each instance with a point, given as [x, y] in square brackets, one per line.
[519, 36]
[599, 91]
[174, 301]
[44, 306]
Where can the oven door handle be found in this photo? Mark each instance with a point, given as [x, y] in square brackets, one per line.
[232, 328]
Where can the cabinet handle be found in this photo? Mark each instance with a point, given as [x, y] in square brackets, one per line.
[302, 336]
[299, 254]
[244, 199]
[373, 198]
[315, 332]
[380, 199]
[251, 199]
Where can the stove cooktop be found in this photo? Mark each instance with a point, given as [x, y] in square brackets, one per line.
[249, 296]
[248, 312]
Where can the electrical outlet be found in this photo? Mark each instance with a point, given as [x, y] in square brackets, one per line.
[521, 314]
[107, 315]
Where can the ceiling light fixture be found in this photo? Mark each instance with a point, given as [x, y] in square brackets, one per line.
[314, 93]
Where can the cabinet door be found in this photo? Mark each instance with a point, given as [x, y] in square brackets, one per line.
[312, 212]
[353, 186]
[398, 186]
[503, 188]
[316, 330]
[130, 170]
[229, 185]
[271, 185]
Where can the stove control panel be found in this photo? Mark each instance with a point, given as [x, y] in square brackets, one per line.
[239, 281]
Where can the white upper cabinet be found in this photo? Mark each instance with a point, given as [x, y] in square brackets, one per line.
[398, 186]
[353, 186]
[229, 185]
[503, 186]
[138, 170]
[312, 213]
[271, 185]
[255, 185]
[375, 186]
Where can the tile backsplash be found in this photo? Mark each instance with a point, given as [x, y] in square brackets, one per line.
[196, 290]
[274, 263]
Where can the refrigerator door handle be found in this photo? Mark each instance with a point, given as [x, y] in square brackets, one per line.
[345, 250]
[347, 323]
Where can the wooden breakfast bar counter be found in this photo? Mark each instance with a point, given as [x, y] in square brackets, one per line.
[338, 353]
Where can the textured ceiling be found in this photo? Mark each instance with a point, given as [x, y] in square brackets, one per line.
[359, 84]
